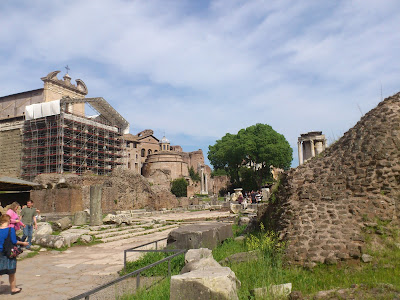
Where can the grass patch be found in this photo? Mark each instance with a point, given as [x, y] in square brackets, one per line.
[94, 241]
[159, 291]
[379, 279]
[177, 263]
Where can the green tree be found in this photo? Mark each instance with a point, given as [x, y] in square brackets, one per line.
[179, 187]
[256, 147]
[226, 154]
[218, 172]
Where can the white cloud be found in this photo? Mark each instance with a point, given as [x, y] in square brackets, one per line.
[199, 70]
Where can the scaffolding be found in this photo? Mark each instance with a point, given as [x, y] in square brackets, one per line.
[70, 143]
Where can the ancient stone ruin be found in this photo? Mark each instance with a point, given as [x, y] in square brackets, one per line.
[321, 207]
[123, 190]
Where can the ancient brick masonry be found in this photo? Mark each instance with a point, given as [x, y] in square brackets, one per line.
[321, 206]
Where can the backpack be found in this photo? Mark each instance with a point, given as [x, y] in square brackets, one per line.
[9, 249]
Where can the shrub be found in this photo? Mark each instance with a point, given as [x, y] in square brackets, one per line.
[194, 175]
[179, 187]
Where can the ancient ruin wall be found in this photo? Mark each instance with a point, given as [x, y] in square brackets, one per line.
[322, 206]
[123, 190]
[10, 150]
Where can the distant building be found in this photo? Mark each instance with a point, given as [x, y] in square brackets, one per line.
[310, 144]
[46, 131]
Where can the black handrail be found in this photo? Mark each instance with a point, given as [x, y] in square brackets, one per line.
[136, 272]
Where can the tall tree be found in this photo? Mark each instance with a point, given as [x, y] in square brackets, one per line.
[256, 147]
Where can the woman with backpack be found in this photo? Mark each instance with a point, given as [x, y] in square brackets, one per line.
[8, 265]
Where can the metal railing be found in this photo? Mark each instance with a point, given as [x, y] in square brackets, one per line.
[138, 271]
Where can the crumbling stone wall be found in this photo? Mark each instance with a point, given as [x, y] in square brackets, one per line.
[321, 207]
[123, 190]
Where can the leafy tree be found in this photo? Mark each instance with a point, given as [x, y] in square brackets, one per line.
[179, 187]
[194, 175]
[256, 147]
[226, 154]
[218, 172]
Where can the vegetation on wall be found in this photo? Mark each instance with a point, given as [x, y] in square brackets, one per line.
[179, 187]
[194, 175]
[256, 148]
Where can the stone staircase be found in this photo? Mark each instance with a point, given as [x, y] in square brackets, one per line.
[111, 233]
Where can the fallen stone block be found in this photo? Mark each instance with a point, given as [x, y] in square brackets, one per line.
[202, 264]
[274, 291]
[211, 283]
[62, 224]
[86, 238]
[366, 258]
[235, 208]
[50, 241]
[201, 235]
[197, 254]
[117, 219]
[243, 221]
[43, 229]
[240, 238]
[70, 237]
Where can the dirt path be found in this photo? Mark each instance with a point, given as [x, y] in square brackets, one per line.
[61, 275]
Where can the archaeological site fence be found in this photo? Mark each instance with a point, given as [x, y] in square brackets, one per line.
[137, 272]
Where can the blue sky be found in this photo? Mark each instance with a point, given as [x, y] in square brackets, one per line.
[199, 69]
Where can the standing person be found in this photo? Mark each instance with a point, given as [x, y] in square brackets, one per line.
[15, 221]
[253, 196]
[9, 265]
[28, 215]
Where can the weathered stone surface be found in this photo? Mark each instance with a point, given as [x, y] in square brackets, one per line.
[240, 238]
[235, 208]
[86, 238]
[35, 247]
[70, 237]
[212, 283]
[200, 235]
[62, 224]
[197, 254]
[201, 264]
[321, 207]
[117, 219]
[274, 291]
[80, 218]
[50, 241]
[96, 212]
[366, 258]
[43, 229]
[243, 221]
[296, 295]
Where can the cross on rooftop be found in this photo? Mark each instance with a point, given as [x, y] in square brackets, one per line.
[67, 68]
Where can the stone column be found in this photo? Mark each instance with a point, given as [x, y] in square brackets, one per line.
[202, 180]
[205, 184]
[300, 151]
[312, 148]
[96, 214]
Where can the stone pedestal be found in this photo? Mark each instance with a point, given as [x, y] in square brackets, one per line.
[80, 218]
[96, 213]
